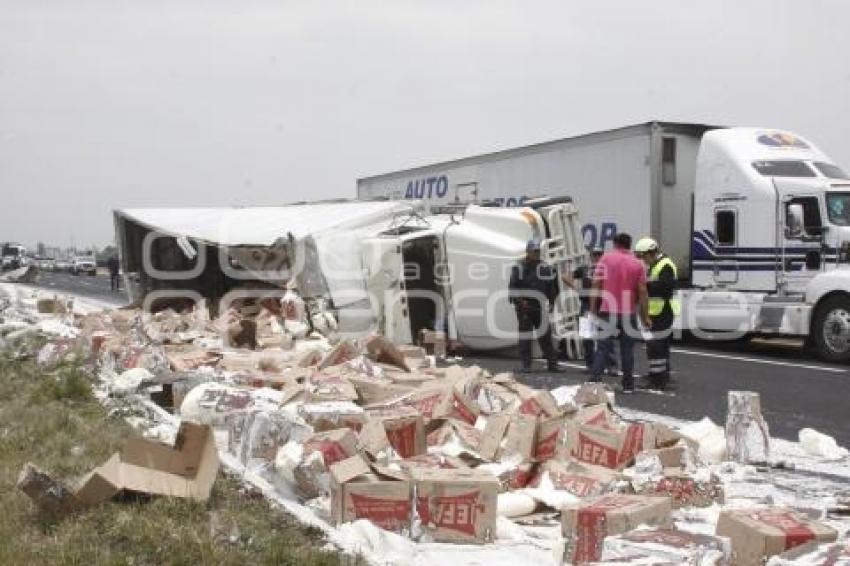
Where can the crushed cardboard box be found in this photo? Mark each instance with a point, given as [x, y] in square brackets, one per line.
[187, 470]
[442, 401]
[403, 427]
[333, 414]
[585, 525]
[760, 533]
[582, 480]
[508, 436]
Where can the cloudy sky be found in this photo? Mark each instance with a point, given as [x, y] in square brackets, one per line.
[111, 104]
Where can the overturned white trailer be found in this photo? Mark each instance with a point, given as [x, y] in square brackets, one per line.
[393, 267]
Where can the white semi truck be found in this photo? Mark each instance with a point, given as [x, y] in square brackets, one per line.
[756, 219]
[386, 266]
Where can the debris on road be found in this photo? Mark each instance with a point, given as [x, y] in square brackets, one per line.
[822, 445]
[370, 439]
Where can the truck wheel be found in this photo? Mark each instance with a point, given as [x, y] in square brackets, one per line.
[831, 329]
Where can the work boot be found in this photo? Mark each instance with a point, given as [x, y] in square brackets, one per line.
[648, 383]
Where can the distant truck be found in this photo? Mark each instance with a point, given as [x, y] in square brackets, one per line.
[13, 256]
[84, 264]
[756, 219]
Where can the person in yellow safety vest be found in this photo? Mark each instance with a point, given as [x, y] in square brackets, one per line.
[663, 308]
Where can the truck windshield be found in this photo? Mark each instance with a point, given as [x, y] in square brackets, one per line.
[838, 208]
[783, 168]
[831, 171]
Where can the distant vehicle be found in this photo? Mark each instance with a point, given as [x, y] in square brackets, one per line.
[45, 263]
[61, 265]
[13, 256]
[84, 264]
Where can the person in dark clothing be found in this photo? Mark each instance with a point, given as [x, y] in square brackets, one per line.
[532, 291]
[663, 307]
[114, 280]
[581, 281]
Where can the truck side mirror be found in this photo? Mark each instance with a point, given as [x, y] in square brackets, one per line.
[794, 220]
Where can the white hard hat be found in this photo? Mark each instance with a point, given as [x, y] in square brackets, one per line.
[645, 245]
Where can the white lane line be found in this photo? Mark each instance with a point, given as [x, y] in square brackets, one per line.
[756, 360]
[563, 363]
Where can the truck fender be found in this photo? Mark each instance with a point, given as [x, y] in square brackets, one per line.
[823, 284]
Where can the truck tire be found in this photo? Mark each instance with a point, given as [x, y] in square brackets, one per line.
[831, 329]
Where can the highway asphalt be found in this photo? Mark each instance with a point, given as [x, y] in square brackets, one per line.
[797, 390]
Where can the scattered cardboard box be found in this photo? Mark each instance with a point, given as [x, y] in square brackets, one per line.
[334, 445]
[758, 534]
[343, 352]
[187, 470]
[404, 428]
[380, 349]
[598, 437]
[441, 402]
[51, 306]
[537, 402]
[549, 432]
[468, 437]
[585, 525]
[374, 391]
[508, 436]
[456, 505]
[319, 452]
[582, 480]
[333, 414]
[593, 394]
[184, 359]
[814, 554]
[359, 492]
[323, 386]
[434, 342]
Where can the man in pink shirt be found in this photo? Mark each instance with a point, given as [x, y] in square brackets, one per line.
[618, 298]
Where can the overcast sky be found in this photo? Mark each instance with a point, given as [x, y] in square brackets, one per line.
[115, 104]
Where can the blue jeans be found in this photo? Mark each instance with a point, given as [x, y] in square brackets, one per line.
[621, 325]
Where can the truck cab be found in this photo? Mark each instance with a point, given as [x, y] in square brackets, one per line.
[13, 256]
[771, 239]
[449, 270]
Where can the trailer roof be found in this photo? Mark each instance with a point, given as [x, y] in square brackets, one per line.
[262, 226]
[600, 136]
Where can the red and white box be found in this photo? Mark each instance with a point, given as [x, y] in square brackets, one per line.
[760, 533]
[586, 524]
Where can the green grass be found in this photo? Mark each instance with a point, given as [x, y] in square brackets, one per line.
[50, 418]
